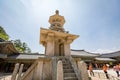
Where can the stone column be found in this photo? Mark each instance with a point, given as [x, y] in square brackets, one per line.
[15, 71]
[67, 46]
[83, 70]
[54, 68]
[60, 71]
[20, 72]
[67, 49]
[50, 44]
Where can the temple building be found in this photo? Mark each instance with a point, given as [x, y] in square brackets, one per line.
[46, 66]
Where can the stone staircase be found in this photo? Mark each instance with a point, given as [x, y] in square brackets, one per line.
[68, 70]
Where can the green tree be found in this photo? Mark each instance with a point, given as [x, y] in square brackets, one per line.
[21, 46]
[3, 34]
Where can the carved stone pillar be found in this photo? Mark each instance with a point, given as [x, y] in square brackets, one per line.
[67, 49]
[38, 71]
[60, 70]
[67, 46]
[15, 71]
[50, 44]
[20, 72]
[83, 70]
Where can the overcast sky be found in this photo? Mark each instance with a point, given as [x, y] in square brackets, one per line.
[96, 21]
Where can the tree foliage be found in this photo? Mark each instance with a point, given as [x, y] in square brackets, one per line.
[21, 46]
[3, 34]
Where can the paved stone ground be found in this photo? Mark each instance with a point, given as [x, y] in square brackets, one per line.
[7, 76]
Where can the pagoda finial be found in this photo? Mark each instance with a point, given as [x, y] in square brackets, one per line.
[57, 21]
[57, 12]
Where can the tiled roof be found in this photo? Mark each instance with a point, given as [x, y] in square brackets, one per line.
[78, 53]
[83, 53]
[104, 59]
[7, 47]
[25, 56]
[2, 40]
[3, 56]
[112, 55]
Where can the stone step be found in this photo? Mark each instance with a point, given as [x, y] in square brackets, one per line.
[66, 64]
[70, 78]
[68, 70]
[69, 75]
[67, 67]
[65, 60]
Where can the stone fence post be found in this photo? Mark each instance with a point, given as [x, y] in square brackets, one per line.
[83, 70]
[20, 72]
[60, 70]
[15, 71]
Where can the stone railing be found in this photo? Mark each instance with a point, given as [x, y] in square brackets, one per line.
[75, 68]
[47, 68]
[26, 74]
[54, 66]
[101, 75]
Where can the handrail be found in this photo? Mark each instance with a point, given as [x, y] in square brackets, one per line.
[75, 68]
[54, 68]
[29, 70]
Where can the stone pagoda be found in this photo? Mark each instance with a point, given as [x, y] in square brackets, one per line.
[55, 39]
[57, 63]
